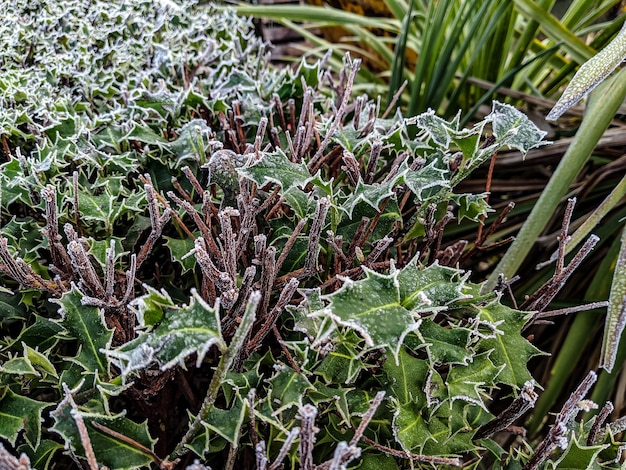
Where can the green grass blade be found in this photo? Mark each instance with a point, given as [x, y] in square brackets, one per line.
[616, 316]
[399, 57]
[555, 30]
[323, 15]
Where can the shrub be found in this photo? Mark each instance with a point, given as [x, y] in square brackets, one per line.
[207, 257]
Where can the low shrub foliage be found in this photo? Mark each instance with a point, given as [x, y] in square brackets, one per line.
[206, 257]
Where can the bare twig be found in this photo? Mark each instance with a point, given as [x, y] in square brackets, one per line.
[524, 402]
[310, 262]
[82, 429]
[557, 435]
[353, 65]
[594, 433]
[307, 436]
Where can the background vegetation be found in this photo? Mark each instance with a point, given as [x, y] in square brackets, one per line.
[208, 257]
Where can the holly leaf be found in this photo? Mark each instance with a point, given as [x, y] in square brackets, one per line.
[373, 308]
[19, 413]
[443, 345]
[427, 181]
[407, 378]
[469, 382]
[193, 328]
[275, 167]
[227, 423]
[514, 129]
[371, 194]
[179, 249]
[503, 337]
[108, 449]
[86, 324]
[287, 388]
[43, 457]
[430, 287]
[579, 456]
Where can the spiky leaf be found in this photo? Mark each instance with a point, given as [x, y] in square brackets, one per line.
[86, 324]
[19, 413]
[185, 330]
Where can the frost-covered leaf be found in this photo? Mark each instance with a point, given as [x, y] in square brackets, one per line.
[179, 249]
[227, 423]
[407, 378]
[185, 330]
[287, 388]
[513, 128]
[275, 167]
[427, 181]
[344, 363]
[86, 324]
[372, 307]
[443, 345]
[472, 382]
[509, 349]
[43, 457]
[438, 129]
[371, 194]
[578, 456]
[384, 308]
[19, 413]
[431, 286]
[108, 449]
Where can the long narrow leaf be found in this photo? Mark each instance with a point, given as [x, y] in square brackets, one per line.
[616, 317]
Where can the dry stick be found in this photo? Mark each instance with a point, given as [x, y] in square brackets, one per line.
[242, 295]
[350, 273]
[492, 165]
[130, 279]
[347, 452]
[544, 295]
[487, 233]
[223, 367]
[60, 258]
[292, 362]
[109, 280]
[433, 460]
[230, 242]
[193, 180]
[310, 262]
[284, 298]
[379, 248]
[370, 171]
[556, 435]
[146, 180]
[182, 190]
[157, 221]
[291, 437]
[308, 430]
[524, 402]
[86, 272]
[252, 418]
[395, 99]
[206, 231]
[570, 310]
[593, 438]
[82, 429]
[338, 115]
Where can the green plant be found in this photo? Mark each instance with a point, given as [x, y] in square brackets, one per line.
[205, 257]
[457, 54]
